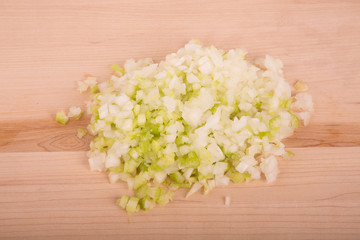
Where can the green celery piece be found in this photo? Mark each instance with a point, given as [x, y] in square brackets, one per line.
[274, 123]
[140, 180]
[133, 205]
[108, 142]
[258, 106]
[116, 67]
[130, 166]
[136, 109]
[62, 118]
[237, 177]
[247, 175]
[265, 134]
[122, 202]
[154, 193]
[182, 75]
[143, 166]
[166, 160]
[142, 191]
[205, 156]
[164, 197]
[148, 114]
[190, 160]
[177, 177]
[169, 75]
[185, 185]
[95, 111]
[178, 141]
[94, 89]
[155, 167]
[118, 169]
[155, 146]
[102, 143]
[207, 189]
[205, 177]
[146, 203]
[285, 103]
[152, 128]
[145, 146]
[291, 154]
[133, 153]
[294, 120]
[214, 108]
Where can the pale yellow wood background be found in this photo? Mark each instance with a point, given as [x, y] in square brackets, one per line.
[46, 189]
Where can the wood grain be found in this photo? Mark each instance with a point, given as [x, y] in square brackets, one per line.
[45, 48]
[53, 195]
[49, 136]
[46, 189]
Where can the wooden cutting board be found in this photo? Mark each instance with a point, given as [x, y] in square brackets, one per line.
[46, 188]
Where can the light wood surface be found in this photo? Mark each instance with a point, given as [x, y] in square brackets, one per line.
[46, 188]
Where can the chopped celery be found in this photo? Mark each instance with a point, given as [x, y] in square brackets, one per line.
[130, 166]
[94, 89]
[258, 106]
[200, 118]
[177, 177]
[190, 160]
[291, 154]
[140, 180]
[274, 123]
[205, 155]
[166, 160]
[164, 197]
[155, 146]
[116, 67]
[122, 202]
[142, 191]
[133, 205]
[146, 203]
[294, 120]
[154, 193]
[236, 176]
[285, 103]
[62, 118]
[265, 134]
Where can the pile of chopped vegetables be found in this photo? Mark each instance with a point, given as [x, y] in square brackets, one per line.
[201, 118]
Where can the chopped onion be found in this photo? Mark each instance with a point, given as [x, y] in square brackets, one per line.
[198, 119]
[75, 112]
